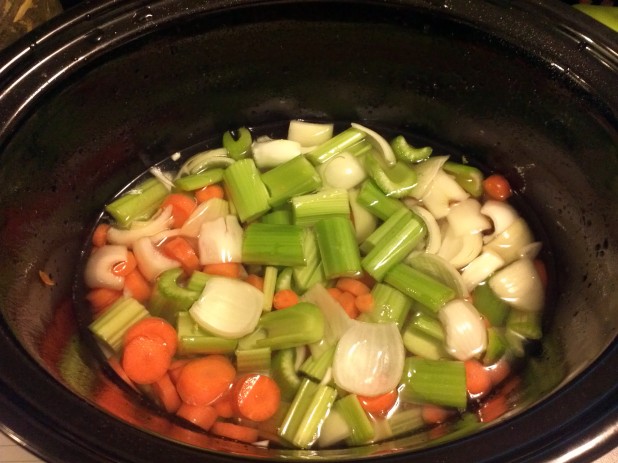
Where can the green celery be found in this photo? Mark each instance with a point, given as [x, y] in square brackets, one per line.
[359, 149]
[197, 281]
[111, 327]
[291, 179]
[309, 209]
[337, 144]
[284, 279]
[489, 305]
[420, 287]
[406, 152]
[390, 226]
[389, 305]
[196, 181]
[357, 420]
[278, 217]
[428, 325]
[246, 190]
[194, 340]
[338, 248]
[468, 177]
[395, 181]
[298, 325]
[440, 382]
[525, 323]
[139, 203]
[421, 344]
[270, 244]
[169, 298]
[376, 202]
[405, 421]
[253, 360]
[317, 367]
[269, 287]
[496, 346]
[284, 373]
[249, 341]
[238, 143]
[304, 274]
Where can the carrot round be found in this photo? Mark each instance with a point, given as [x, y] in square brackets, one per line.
[364, 302]
[256, 281]
[224, 269]
[334, 292]
[493, 408]
[145, 359]
[353, 286]
[166, 394]
[235, 431]
[435, 414]
[200, 415]
[478, 379]
[223, 407]
[178, 248]
[284, 298]
[136, 286]
[154, 327]
[99, 236]
[182, 207]
[497, 187]
[499, 371]
[123, 268]
[347, 301]
[176, 367]
[381, 404]
[204, 380]
[208, 192]
[255, 397]
[102, 298]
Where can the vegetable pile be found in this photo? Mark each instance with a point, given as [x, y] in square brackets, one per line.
[317, 291]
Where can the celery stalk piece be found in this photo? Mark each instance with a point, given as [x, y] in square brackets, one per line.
[359, 423]
[138, 203]
[390, 226]
[394, 247]
[298, 325]
[248, 341]
[440, 382]
[194, 340]
[269, 287]
[169, 298]
[111, 327]
[284, 373]
[270, 244]
[316, 367]
[338, 248]
[284, 279]
[428, 325]
[390, 305]
[496, 346]
[406, 152]
[309, 209]
[420, 287]
[237, 143]
[304, 274]
[292, 178]
[246, 190]
[196, 181]
[421, 344]
[469, 178]
[406, 421]
[253, 360]
[335, 145]
[197, 281]
[376, 202]
[395, 181]
[525, 323]
[490, 305]
[278, 217]
[334, 429]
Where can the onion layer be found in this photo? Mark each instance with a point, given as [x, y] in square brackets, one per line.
[466, 335]
[98, 272]
[519, 285]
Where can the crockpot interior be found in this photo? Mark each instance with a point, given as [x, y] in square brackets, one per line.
[116, 87]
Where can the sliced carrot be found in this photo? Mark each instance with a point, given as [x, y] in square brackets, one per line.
[235, 431]
[224, 407]
[435, 414]
[364, 303]
[46, 279]
[499, 371]
[541, 269]
[182, 207]
[176, 367]
[154, 327]
[352, 285]
[204, 380]
[478, 379]
[379, 405]
[208, 192]
[203, 416]
[255, 280]
[179, 248]
[255, 397]
[146, 359]
[166, 394]
[497, 187]
[347, 301]
[334, 292]
[493, 409]
[137, 287]
[99, 236]
[285, 298]
[225, 269]
[123, 268]
[101, 298]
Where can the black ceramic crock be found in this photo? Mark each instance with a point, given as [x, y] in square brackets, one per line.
[87, 101]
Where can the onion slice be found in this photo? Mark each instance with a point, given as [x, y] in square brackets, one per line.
[433, 238]
[150, 261]
[425, 173]
[512, 242]
[441, 194]
[369, 358]
[220, 240]
[98, 271]
[440, 269]
[342, 171]
[379, 143]
[139, 229]
[465, 218]
[337, 320]
[481, 268]
[271, 153]
[460, 250]
[309, 133]
[466, 335]
[208, 210]
[519, 285]
[501, 214]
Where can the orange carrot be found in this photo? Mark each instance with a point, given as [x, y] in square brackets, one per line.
[255, 280]
[166, 394]
[203, 416]
[347, 299]
[136, 286]
[334, 292]
[102, 298]
[478, 379]
[146, 359]
[497, 187]
[499, 371]
[182, 207]
[178, 248]
[235, 431]
[353, 286]
[204, 380]
[364, 302]
[224, 407]
[208, 192]
[154, 327]
[379, 405]
[255, 397]
[225, 269]
[493, 408]
[99, 236]
[176, 367]
[541, 269]
[435, 414]
[123, 268]
[284, 298]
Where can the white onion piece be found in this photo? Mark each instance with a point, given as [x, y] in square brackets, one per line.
[465, 218]
[510, 242]
[271, 153]
[481, 268]
[519, 285]
[440, 269]
[220, 240]
[378, 142]
[309, 133]
[369, 358]
[433, 239]
[139, 229]
[365, 222]
[150, 261]
[531, 251]
[164, 235]
[98, 271]
[337, 320]
[501, 214]
[465, 331]
[443, 191]
[342, 171]
[208, 210]
[200, 161]
[163, 177]
[425, 173]
[460, 250]
[228, 307]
